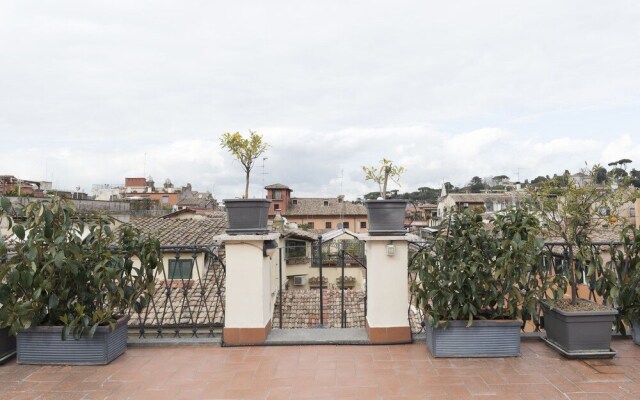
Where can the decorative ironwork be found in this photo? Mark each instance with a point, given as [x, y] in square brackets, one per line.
[186, 305]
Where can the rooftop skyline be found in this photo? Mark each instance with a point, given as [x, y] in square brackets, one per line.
[93, 93]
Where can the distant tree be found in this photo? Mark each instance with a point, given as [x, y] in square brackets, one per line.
[449, 187]
[618, 174]
[499, 179]
[476, 185]
[539, 179]
[600, 173]
[635, 178]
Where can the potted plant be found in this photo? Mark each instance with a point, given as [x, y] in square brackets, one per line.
[625, 292]
[7, 342]
[385, 216]
[570, 212]
[246, 216]
[68, 286]
[476, 285]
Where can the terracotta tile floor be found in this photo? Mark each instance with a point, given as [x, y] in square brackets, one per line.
[331, 372]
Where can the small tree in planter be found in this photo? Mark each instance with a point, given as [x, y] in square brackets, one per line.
[571, 212]
[476, 284]
[625, 291]
[246, 215]
[73, 278]
[386, 217]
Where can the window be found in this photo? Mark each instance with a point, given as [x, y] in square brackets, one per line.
[277, 194]
[345, 225]
[327, 225]
[295, 249]
[294, 201]
[276, 206]
[180, 269]
[165, 199]
[325, 203]
[363, 225]
[310, 225]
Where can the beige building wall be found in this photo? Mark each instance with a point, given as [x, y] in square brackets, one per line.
[319, 222]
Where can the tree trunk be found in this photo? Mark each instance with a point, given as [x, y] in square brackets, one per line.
[574, 280]
[246, 186]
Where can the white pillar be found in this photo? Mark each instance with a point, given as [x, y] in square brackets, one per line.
[248, 288]
[387, 288]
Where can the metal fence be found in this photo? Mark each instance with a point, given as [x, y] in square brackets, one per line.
[185, 304]
[339, 307]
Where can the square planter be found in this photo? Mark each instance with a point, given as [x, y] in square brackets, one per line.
[579, 334]
[247, 216]
[44, 345]
[7, 345]
[386, 217]
[484, 338]
[635, 330]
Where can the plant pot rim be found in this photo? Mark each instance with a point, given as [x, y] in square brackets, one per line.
[121, 320]
[386, 201]
[477, 322]
[546, 305]
[246, 200]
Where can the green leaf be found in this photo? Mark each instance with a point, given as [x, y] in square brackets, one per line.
[53, 301]
[18, 230]
[5, 203]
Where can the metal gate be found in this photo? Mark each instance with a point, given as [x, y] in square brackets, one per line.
[339, 302]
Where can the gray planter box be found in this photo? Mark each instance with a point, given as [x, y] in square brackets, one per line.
[484, 338]
[635, 331]
[386, 217]
[7, 345]
[247, 216]
[44, 345]
[579, 334]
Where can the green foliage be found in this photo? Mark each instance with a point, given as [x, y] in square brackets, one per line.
[620, 282]
[245, 150]
[74, 271]
[473, 273]
[572, 212]
[382, 174]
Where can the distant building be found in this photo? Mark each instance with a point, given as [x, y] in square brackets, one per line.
[318, 214]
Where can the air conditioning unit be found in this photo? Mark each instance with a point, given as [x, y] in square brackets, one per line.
[298, 280]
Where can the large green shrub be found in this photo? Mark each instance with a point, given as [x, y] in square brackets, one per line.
[73, 270]
[475, 272]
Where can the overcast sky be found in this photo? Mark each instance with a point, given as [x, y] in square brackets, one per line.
[92, 92]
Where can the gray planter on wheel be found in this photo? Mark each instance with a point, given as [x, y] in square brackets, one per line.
[386, 217]
[635, 330]
[484, 338]
[247, 216]
[579, 334]
[7, 345]
[44, 345]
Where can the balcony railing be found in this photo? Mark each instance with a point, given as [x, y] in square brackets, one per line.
[185, 306]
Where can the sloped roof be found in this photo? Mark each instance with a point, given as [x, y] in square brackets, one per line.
[182, 232]
[315, 206]
[301, 234]
[338, 232]
[278, 186]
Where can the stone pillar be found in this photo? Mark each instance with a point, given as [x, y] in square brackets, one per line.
[248, 289]
[387, 289]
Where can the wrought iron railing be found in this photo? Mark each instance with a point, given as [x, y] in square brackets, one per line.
[185, 305]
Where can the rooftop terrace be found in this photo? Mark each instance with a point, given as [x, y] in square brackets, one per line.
[331, 372]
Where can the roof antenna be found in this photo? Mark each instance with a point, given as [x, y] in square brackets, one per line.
[144, 168]
[263, 173]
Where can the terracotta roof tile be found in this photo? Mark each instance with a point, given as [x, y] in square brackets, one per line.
[183, 232]
[316, 206]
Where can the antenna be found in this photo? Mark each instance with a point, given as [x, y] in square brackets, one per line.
[263, 173]
[144, 168]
